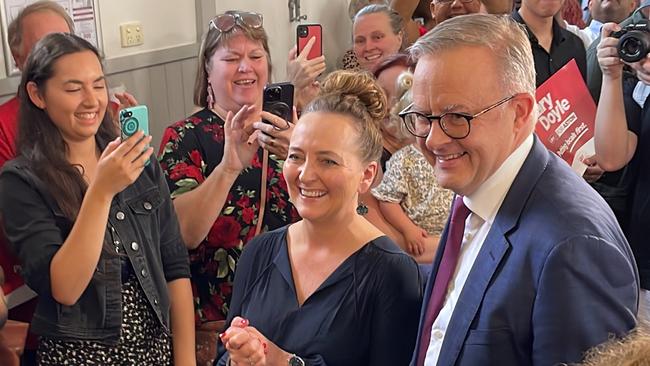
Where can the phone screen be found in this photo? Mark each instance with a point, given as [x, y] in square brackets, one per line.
[304, 32]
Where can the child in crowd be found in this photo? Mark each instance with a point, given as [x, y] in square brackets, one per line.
[408, 194]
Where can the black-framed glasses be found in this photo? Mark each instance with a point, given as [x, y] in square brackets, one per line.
[226, 22]
[453, 124]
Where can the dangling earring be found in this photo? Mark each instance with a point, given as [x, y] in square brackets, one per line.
[362, 209]
[210, 98]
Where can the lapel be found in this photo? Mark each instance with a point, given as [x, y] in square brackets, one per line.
[492, 254]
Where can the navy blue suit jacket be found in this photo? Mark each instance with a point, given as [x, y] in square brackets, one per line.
[555, 275]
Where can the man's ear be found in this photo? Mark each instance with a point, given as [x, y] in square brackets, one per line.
[525, 110]
[368, 177]
[35, 95]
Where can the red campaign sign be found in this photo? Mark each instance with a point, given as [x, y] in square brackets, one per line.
[566, 114]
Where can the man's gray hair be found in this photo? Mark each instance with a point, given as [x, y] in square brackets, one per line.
[15, 31]
[506, 39]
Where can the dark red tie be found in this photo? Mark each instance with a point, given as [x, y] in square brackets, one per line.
[446, 269]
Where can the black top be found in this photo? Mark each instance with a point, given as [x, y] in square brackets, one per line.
[365, 313]
[564, 47]
[638, 121]
[143, 218]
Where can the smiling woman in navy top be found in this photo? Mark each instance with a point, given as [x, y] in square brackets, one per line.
[330, 289]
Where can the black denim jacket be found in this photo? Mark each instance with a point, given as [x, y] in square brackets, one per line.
[146, 223]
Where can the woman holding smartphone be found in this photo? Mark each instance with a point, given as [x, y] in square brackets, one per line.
[225, 189]
[93, 227]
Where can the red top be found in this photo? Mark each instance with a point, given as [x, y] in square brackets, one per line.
[8, 131]
[10, 264]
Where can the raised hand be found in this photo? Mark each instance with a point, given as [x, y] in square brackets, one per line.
[303, 73]
[608, 59]
[121, 164]
[239, 147]
[275, 135]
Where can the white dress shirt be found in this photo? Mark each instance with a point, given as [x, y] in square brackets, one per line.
[484, 204]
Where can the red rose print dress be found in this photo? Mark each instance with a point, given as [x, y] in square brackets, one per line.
[189, 151]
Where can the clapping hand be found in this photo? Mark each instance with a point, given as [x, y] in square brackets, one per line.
[248, 346]
[239, 147]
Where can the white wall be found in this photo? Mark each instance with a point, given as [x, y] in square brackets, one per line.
[332, 14]
[166, 23]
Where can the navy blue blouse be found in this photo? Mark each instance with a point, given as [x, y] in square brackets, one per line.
[365, 313]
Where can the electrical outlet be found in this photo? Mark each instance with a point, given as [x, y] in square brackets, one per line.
[131, 34]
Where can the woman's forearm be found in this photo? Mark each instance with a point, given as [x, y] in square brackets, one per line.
[199, 208]
[182, 321]
[74, 264]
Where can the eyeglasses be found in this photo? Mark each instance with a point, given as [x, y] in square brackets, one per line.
[451, 1]
[454, 125]
[226, 22]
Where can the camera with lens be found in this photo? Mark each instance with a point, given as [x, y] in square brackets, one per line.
[303, 32]
[634, 41]
[278, 100]
[130, 124]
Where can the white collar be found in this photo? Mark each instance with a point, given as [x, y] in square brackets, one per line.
[486, 200]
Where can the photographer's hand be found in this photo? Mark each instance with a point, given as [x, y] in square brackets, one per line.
[303, 73]
[608, 59]
[275, 137]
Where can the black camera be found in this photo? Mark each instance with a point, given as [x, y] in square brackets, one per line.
[278, 99]
[634, 41]
[302, 31]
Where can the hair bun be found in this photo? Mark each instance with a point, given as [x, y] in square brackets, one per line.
[360, 86]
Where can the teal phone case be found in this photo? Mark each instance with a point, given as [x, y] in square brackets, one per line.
[133, 119]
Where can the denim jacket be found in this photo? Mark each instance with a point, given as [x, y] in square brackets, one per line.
[145, 221]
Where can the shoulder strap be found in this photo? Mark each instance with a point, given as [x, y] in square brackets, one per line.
[265, 169]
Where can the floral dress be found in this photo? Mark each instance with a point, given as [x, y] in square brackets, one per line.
[189, 152]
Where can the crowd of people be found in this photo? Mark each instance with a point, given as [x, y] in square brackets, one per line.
[404, 214]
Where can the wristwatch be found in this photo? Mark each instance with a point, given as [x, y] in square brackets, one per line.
[296, 361]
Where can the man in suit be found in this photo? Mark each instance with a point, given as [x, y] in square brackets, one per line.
[532, 268]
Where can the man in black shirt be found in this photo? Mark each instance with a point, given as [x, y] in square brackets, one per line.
[553, 46]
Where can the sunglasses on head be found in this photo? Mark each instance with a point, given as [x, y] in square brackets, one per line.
[226, 22]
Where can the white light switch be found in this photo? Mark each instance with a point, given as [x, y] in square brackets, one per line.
[131, 34]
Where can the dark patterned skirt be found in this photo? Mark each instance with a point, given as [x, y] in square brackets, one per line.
[142, 340]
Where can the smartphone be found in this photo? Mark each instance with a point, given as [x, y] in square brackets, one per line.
[304, 32]
[278, 99]
[133, 119]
